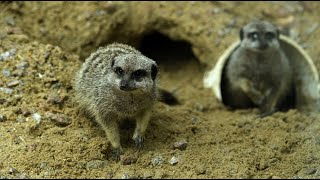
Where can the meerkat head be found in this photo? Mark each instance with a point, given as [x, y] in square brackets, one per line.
[133, 72]
[260, 36]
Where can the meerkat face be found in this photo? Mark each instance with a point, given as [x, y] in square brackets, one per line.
[134, 72]
[259, 36]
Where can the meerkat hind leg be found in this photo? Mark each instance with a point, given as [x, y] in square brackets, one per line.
[142, 122]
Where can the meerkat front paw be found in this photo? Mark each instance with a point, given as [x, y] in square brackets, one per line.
[267, 113]
[115, 154]
[138, 139]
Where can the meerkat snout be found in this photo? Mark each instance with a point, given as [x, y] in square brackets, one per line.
[133, 72]
[260, 36]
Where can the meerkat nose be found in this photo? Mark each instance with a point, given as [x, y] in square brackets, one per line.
[263, 46]
[124, 85]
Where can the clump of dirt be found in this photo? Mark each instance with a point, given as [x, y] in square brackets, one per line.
[43, 44]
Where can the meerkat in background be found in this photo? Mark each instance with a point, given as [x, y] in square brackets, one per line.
[117, 82]
[258, 72]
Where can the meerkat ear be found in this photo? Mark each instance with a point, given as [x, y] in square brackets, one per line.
[154, 71]
[241, 34]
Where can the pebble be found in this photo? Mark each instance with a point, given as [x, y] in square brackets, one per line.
[3, 118]
[173, 160]
[200, 170]
[6, 55]
[13, 83]
[127, 160]
[125, 176]
[22, 65]
[181, 145]
[157, 160]
[36, 117]
[25, 111]
[147, 174]
[13, 170]
[10, 21]
[6, 73]
[6, 90]
[59, 119]
[55, 99]
[96, 164]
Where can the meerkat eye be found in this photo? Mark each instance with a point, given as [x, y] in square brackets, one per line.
[139, 74]
[119, 71]
[253, 36]
[270, 35]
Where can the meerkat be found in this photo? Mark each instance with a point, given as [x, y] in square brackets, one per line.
[118, 82]
[258, 73]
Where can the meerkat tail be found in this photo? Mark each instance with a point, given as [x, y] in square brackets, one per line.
[167, 97]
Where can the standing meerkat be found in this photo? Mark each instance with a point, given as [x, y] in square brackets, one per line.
[258, 72]
[118, 82]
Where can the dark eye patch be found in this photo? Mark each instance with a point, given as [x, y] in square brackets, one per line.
[139, 74]
[119, 71]
[270, 35]
[253, 35]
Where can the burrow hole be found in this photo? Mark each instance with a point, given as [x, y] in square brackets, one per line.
[178, 66]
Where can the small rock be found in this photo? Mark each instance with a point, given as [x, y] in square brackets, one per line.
[6, 90]
[199, 107]
[22, 176]
[3, 118]
[13, 83]
[147, 174]
[42, 165]
[14, 30]
[96, 164]
[200, 170]
[194, 119]
[173, 160]
[10, 21]
[22, 65]
[55, 99]
[36, 117]
[157, 160]
[13, 170]
[125, 176]
[126, 160]
[181, 145]
[310, 171]
[18, 73]
[59, 119]
[6, 73]
[215, 10]
[6, 55]
[25, 111]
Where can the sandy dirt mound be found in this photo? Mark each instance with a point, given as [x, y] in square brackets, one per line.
[43, 44]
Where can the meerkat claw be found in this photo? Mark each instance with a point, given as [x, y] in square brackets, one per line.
[115, 154]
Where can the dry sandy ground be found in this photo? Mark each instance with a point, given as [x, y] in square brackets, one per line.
[42, 45]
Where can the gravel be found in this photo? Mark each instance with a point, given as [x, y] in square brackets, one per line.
[8, 54]
[181, 145]
[96, 164]
[174, 160]
[158, 160]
